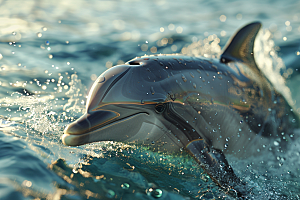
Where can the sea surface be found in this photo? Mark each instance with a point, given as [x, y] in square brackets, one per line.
[52, 51]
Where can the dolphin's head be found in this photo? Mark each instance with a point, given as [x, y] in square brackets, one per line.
[124, 104]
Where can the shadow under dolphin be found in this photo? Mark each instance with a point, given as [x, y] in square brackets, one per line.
[208, 107]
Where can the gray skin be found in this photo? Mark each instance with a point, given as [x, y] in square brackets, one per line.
[207, 107]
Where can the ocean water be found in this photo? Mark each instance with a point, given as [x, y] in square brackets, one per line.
[52, 51]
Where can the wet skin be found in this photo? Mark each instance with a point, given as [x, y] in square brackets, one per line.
[208, 107]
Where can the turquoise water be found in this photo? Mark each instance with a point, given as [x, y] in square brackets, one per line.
[51, 52]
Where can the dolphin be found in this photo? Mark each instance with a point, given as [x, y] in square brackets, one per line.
[208, 107]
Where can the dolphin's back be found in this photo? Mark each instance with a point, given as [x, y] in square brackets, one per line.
[232, 99]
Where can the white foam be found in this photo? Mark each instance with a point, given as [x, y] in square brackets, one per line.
[271, 64]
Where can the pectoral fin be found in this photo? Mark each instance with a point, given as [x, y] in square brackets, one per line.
[216, 166]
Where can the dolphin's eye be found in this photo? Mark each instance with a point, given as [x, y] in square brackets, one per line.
[159, 108]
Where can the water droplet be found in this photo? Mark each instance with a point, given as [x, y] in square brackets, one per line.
[157, 193]
[194, 85]
[241, 121]
[192, 75]
[125, 186]
[275, 102]
[214, 130]
[258, 150]
[240, 129]
[293, 120]
[258, 124]
[48, 48]
[187, 121]
[110, 194]
[142, 101]
[270, 149]
[183, 78]
[227, 139]
[152, 90]
[13, 33]
[276, 143]
[226, 145]
[152, 142]
[269, 109]
[39, 34]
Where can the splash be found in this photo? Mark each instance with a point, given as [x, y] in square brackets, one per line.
[271, 64]
[76, 95]
[46, 113]
[208, 47]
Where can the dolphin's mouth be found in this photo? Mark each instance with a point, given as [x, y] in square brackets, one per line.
[92, 127]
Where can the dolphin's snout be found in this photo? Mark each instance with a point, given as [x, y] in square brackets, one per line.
[77, 133]
[80, 126]
[90, 121]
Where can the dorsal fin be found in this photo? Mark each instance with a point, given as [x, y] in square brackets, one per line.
[240, 46]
